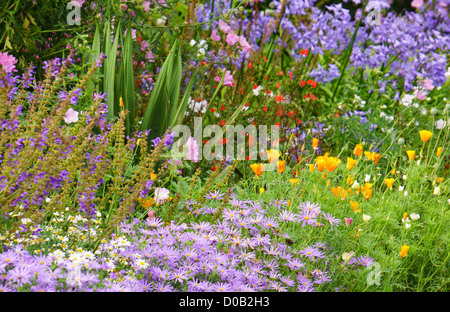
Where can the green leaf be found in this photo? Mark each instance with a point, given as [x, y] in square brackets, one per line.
[110, 68]
[177, 118]
[165, 94]
[127, 80]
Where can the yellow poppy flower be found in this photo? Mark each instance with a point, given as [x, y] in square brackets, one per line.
[438, 152]
[349, 180]
[355, 206]
[425, 135]
[320, 161]
[331, 163]
[351, 163]
[389, 183]
[404, 251]
[273, 155]
[368, 194]
[411, 154]
[369, 155]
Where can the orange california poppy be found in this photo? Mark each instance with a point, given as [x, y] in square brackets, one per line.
[358, 150]
[320, 161]
[411, 154]
[315, 143]
[351, 163]
[389, 183]
[404, 251]
[425, 135]
[257, 169]
[280, 166]
[273, 155]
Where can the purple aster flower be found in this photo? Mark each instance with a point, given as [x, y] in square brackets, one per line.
[216, 195]
[287, 216]
[306, 217]
[312, 253]
[331, 219]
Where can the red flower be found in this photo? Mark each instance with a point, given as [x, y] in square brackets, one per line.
[212, 110]
[279, 98]
[265, 108]
[222, 123]
[302, 84]
[213, 168]
[250, 65]
[304, 52]
[279, 112]
[312, 83]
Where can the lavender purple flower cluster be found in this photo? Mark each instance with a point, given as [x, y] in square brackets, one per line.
[246, 250]
[410, 46]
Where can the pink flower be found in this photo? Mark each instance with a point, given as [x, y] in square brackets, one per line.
[417, 4]
[224, 27]
[232, 38]
[228, 79]
[149, 56]
[78, 3]
[215, 36]
[146, 5]
[428, 84]
[133, 33]
[71, 116]
[421, 95]
[246, 47]
[162, 3]
[151, 214]
[193, 150]
[161, 195]
[144, 45]
[7, 61]
[348, 221]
